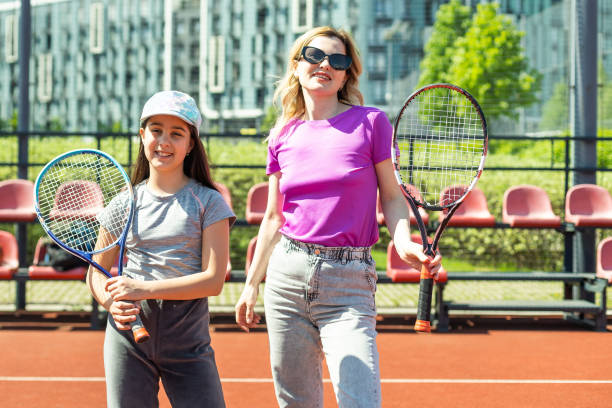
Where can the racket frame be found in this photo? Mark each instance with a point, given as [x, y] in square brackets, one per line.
[426, 281]
[140, 333]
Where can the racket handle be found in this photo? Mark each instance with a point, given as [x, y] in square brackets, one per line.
[140, 332]
[426, 283]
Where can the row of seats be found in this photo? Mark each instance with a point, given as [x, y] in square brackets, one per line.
[397, 270]
[586, 205]
[17, 205]
[523, 206]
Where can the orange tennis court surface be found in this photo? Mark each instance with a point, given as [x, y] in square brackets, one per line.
[482, 363]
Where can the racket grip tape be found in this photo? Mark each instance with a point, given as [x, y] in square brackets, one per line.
[426, 284]
[140, 332]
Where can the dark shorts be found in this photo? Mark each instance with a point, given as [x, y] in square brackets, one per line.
[178, 352]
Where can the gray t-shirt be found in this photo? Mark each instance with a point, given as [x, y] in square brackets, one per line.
[165, 239]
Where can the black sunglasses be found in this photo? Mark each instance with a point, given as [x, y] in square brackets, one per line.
[314, 55]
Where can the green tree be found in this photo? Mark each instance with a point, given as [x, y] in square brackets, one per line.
[555, 116]
[10, 124]
[604, 102]
[487, 60]
[452, 22]
[55, 125]
[555, 112]
[269, 119]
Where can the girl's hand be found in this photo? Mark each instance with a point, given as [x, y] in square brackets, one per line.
[124, 313]
[124, 288]
[245, 308]
[412, 253]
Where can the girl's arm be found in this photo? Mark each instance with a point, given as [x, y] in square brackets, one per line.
[397, 218]
[96, 280]
[267, 238]
[122, 312]
[209, 282]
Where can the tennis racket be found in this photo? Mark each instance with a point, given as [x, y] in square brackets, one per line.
[85, 203]
[439, 142]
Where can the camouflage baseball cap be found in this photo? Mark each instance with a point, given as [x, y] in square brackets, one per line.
[173, 103]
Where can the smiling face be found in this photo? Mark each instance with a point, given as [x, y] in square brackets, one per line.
[321, 79]
[166, 140]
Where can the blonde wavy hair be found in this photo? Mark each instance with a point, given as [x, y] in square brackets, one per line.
[289, 91]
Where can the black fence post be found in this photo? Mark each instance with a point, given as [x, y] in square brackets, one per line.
[23, 124]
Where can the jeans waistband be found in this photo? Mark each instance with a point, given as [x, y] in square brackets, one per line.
[343, 254]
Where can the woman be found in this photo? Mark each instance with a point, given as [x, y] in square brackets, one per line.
[326, 157]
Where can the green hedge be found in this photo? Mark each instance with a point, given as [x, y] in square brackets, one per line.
[508, 248]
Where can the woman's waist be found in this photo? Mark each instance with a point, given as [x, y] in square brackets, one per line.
[340, 253]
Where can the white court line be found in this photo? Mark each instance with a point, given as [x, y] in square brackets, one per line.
[384, 380]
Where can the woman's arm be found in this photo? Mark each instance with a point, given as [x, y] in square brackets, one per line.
[268, 234]
[397, 218]
[267, 238]
[209, 282]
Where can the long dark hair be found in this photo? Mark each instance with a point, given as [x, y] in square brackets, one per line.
[195, 165]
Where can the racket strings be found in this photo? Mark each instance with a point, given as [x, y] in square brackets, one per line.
[74, 192]
[440, 142]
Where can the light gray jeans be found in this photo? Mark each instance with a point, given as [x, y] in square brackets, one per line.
[319, 302]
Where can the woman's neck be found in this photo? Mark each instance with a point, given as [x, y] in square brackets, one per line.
[166, 183]
[322, 108]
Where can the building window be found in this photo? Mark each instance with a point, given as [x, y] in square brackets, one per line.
[301, 15]
[195, 75]
[216, 64]
[180, 28]
[195, 27]
[11, 35]
[379, 90]
[96, 28]
[44, 88]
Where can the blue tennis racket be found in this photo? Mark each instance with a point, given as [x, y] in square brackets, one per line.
[85, 203]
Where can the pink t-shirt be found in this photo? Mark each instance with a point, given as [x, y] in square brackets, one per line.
[328, 178]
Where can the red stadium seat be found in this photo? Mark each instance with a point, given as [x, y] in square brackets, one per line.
[473, 212]
[17, 201]
[67, 208]
[228, 270]
[249, 254]
[400, 271]
[228, 199]
[227, 196]
[44, 272]
[9, 255]
[604, 259]
[588, 205]
[380, 217]
[115, 270]
[257, 200]
[528, 206]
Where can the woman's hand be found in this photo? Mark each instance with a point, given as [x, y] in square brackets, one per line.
[245, 308]
[124, 288]
[124, 313]
[412, 253]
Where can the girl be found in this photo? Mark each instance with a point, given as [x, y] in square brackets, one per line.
[177, 253]
[326, 157]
